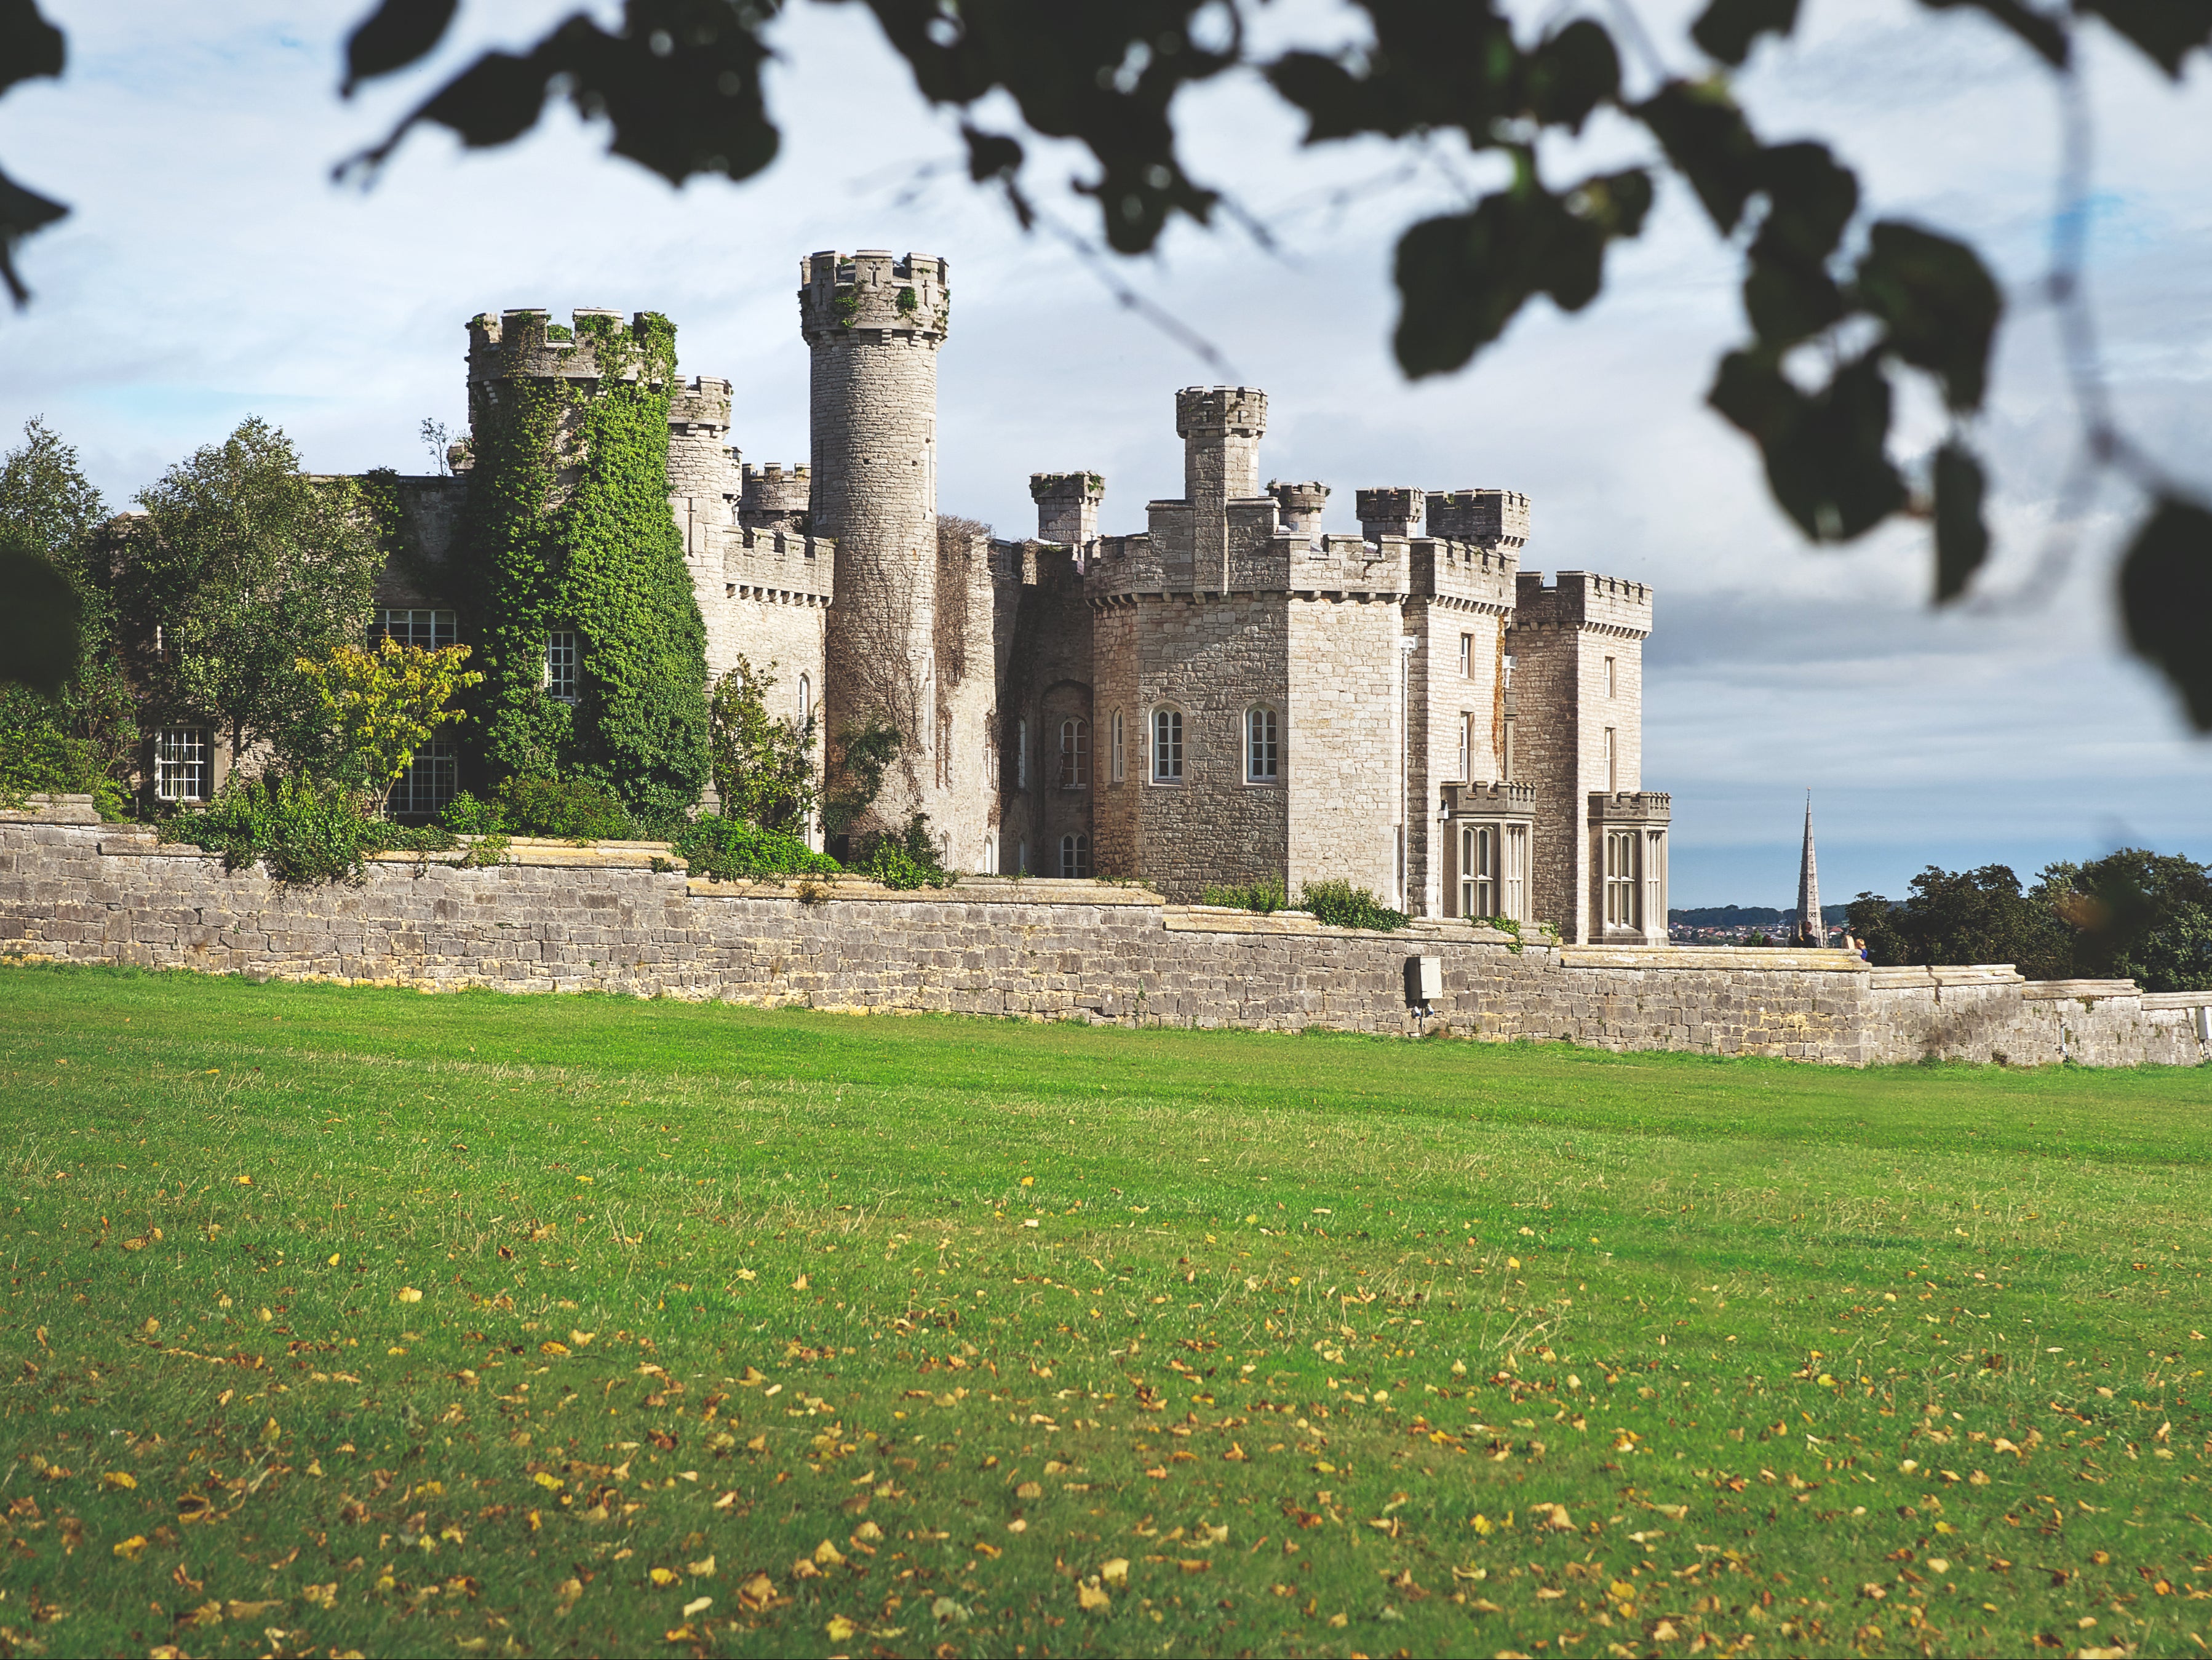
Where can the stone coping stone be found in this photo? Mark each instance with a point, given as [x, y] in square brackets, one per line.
[1916, 976]
[1234, 919]
[1738, 959]
[2176, 1000]
[47, 809]
[2085, 990]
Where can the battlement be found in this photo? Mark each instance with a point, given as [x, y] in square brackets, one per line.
[1300, 505]
[842, 296]
[525, 343]
[1493, 518]
[1478, 575]
[771, 499]
[1630, 806]
[1242, 411]
[1397, 511]
[1510, 799]
[701, 404]
[1582, 600]
[780, 565]
[1068, 506]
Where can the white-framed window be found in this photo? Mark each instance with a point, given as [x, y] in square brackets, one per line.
[1478, 870]
[1167, 746]
[806, 702]
[1075, 855]
[1608, 676]
[1612, 761]
[1074, 754]
[1517, 872]
[1119, 756]
[1467, 657]
[1263, 746]
[1467, 746]
[564, 670]
[988, 864]
[434, 629]
[1655, 863]
[1508, 670]
[432, 779]
[1620, 879]
[1022, 754]
[182, 769]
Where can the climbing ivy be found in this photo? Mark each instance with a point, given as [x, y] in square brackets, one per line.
[567, 526]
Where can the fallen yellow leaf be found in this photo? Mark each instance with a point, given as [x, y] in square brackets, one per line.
[1090, 1598]
[840, 1628]
[1114, 1570]
[129, 1549]
[664, 1575]
[118, 1479]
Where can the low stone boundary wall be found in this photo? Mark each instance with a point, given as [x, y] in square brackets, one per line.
[561, 917]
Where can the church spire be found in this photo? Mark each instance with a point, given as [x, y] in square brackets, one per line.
[1811, 929]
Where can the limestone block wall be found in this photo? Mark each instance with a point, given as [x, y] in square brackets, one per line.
[1344, 742]
[1045, 643]
[560, 917]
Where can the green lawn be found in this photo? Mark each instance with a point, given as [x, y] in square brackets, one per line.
[356, 1320]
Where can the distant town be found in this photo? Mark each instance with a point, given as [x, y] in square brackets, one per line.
[1744, 925]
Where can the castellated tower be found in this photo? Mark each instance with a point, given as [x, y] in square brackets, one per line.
[1220, 427]
[873, 325]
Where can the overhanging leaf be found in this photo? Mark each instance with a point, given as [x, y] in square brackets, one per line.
[396, 35]
[1823, 452]
[2045, 35]
[1706, 137]
[1729, 26]
[38, 625]
[2166, 30]
[21, 212]
[1939, 302]
[30, 47]
[1463, 277]
[1962, 540]
[2166, 601]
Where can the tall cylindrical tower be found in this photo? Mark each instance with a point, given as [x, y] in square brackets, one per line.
[873, 324]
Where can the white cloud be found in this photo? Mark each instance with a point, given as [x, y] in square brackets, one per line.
[210, 268]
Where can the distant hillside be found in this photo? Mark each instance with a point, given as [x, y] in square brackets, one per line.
[1746, 916]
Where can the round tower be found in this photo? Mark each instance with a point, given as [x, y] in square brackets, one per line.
[775, 499]
[873, 324]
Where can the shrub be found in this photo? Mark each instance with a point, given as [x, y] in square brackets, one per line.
[907, 859]
[573, 809]
[1264, 897]
[303, 830]
[1343, 906]
[728, 850]
[471, 815]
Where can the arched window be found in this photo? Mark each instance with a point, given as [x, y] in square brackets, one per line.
[1074, 754]
[1118, 767]
[1075, 855]
[1263, 746]
[806, 702]
[1167, 746]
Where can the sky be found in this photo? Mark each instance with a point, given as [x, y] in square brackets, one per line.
[211, 268]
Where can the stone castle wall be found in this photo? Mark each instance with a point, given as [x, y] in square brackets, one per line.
[561, 917]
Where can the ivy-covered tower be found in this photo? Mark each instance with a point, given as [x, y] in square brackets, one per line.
[578, 600]
[873, 325]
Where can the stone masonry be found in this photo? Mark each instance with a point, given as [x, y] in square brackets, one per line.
[559, 917]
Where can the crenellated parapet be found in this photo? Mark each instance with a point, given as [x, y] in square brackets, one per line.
[525, 343]
[1488, 518]
[774, 499]
[1300, 505]
[1068, 506]
[777, 567]
[1583, 601]
[1396, 510]
[844, 296]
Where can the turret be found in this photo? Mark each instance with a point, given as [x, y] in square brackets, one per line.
[1068, 506]
[1300, 507]
[1220, 427]
[1488, 518]
[1390, 512]
[774, 500]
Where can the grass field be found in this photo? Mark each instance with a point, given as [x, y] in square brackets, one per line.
[364, 1320]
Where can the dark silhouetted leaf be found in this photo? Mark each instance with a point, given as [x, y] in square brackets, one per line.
[1706, 137]
[30, 47]
[21, 212]
[1728, 26]
[1939, 302]
[2168, 30]
[1570, 74]
[1824, 453]
[993, 155]
[1962, 540]
[38, 625]
[680, 86]
[2045, 35]
[2166, 601]
[1461, 277]
[396, 34]
[1788, 294]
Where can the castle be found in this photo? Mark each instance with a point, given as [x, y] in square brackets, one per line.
[1229, 697]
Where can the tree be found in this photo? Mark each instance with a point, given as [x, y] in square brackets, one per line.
[2137, 916]
[679, 82]
[1962, 917]
[380, 704]
[763, 764]
[241, 566]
